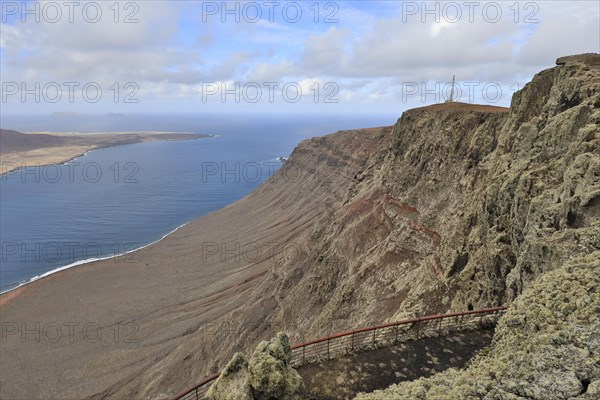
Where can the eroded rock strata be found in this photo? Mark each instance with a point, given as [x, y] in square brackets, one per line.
[465, 209]
[457, 206]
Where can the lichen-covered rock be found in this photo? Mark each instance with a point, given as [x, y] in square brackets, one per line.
[232, 383]
[266, 376]
[270, 374]
[457, 207]
[546, 347]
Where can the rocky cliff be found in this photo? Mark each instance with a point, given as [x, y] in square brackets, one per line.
[535, 217]
[465, 208]
[457, 206]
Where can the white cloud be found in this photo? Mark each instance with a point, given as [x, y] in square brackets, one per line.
[273, 72]
[321, 51]
[369, 53]
[565, 28]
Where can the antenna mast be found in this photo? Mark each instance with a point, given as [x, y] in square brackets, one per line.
[451, 99]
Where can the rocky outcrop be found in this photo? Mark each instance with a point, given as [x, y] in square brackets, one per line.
[469, 206]
[267, 375]
[546, 346]
[455, 207]
[464, 209]
[587, 58]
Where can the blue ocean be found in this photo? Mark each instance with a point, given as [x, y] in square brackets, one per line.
[115, 200]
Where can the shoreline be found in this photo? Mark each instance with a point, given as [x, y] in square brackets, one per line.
[6, 297]
[9, 294]
[149, 138]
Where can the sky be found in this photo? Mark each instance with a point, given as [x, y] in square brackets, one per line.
[353, 57]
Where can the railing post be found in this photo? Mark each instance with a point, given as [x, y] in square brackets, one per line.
[440, 326]
[373, 336]
[418, 323]
[197, 397]
[352, 342]
[303, 354]
[397, 330]
[328, 348]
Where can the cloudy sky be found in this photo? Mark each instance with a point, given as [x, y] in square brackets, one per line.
[279, 56]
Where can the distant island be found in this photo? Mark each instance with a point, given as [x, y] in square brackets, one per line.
[18, 149]
[455, 209]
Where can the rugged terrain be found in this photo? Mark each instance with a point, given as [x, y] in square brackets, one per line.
[546, 347]
[163, 300]
[455, 207]
[468, 208]
[465, 211]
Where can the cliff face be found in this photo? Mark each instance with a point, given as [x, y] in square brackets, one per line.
[540, 203]
[456, 206]
[465, 208]
[534, 216]
[511, 195]
[468, 207]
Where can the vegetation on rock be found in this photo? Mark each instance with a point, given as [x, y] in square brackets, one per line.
[546, 346]
[267, 375]
[456, 207]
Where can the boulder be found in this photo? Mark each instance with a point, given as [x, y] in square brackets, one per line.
[267, 375]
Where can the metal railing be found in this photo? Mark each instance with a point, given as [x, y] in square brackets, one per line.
[199, 391]
[371, 338]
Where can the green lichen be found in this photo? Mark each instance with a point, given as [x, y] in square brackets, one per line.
[266, 376]
[546, 346]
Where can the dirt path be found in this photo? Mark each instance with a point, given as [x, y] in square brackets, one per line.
[344, 377]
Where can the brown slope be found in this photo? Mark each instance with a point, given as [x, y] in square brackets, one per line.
[170, 293]
[467, 209]
[16, 141]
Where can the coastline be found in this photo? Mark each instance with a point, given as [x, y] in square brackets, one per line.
[13, 166]
[17, 160]
[5, 296]
[169, 301]
[10, 294]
